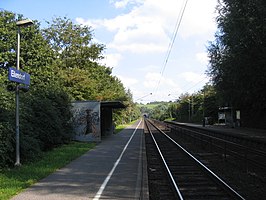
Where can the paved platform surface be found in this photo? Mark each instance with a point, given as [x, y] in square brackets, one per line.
[112, 170]
[248, 133]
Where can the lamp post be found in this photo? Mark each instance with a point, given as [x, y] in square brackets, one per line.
[203, 109]
[192, 107]
[22, 23]
[189, 110]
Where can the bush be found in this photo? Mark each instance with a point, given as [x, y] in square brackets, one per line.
[7, 130]
[6, 144]
[46, 117]
[44, 123]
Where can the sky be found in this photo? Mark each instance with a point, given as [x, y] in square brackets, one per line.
[154, 53]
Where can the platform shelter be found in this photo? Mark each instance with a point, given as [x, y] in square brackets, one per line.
[93, 120]
[229, 116]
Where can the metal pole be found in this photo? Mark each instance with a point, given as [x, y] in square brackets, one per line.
[17, 106]
[189, 110]
[203, 109]
[192, 107]
[26, 22]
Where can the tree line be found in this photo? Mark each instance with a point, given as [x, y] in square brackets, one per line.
[63, 61]
[237, 68]
[238, 59]
[187, 107]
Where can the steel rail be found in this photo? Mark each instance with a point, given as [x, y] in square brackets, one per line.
[202, 165]
[223, 140]
[214, 134]
[165, 164]
[240, 147]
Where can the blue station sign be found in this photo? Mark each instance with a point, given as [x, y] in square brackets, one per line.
[18, 76]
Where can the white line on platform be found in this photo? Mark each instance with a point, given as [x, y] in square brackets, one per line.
[100, 191]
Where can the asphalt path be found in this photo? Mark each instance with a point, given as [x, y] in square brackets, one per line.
[112, 170]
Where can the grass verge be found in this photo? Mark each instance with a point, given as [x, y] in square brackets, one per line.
[15, 180]
[123, 126]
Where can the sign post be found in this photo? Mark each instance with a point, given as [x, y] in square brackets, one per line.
[18, 76]
[15, 75]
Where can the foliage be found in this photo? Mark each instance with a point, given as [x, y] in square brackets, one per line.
[76, 67]
[33, 54]
[157, 110]
[238, 58]
[237, 68]
[131, 113]
[193, 107]
[8, 33]
[63, 62]
[46, 117]
[188, 108]
[72, 43]
[121, 127]
[6, 144]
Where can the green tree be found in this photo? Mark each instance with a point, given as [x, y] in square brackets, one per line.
[210, 103]
[77, 67]
[36, 57]
[63, 63]
[72, 43]
[43, 123]
[238, 58]
[160, 112]
[8, 38]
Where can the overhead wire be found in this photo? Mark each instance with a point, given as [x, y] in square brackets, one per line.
[184, 87]
[186, 90]
[196, 84]
[170, 46]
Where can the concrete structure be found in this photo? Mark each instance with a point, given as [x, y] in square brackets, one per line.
[225, 115]
[93, 120]
[229, 116]
[107, 107]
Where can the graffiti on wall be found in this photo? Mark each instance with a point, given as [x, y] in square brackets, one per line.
[86, 120]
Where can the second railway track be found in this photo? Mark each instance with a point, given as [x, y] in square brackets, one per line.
[190, 179]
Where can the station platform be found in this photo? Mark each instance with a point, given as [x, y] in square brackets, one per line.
[258, 135]
[114, 169]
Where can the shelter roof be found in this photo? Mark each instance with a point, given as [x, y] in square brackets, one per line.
[112, 104]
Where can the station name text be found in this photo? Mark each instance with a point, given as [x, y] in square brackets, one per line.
[19, 76]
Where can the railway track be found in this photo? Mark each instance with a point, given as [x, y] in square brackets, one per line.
[251, 154]
[241, 140]
[175, 174]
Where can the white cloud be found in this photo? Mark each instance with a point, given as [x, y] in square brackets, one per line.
[137, 33]
[137, 47]
[149, 25]
[152, 79]
[128, 81]
[199, 18]
[124, 3]
[84, 22]
[150, 68]
[145, 27]
[193, 77]
[111, 60]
